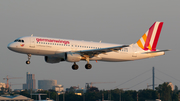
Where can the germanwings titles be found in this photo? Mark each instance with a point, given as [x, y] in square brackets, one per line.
[57, 50]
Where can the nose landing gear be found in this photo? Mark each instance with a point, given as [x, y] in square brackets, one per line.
[28, 61]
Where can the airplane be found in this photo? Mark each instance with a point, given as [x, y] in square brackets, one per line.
[56, 50]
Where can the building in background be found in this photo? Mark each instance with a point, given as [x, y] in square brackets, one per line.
[30, 81]
[46, 84]
[58, 88]
[2, 85]
[76, 90]
[14, 98]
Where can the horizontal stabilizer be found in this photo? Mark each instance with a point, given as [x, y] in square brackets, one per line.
[156, 51]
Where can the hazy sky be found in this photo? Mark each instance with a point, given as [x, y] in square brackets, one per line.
[112, 21]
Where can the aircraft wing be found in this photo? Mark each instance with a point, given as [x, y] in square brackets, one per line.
[93, 52]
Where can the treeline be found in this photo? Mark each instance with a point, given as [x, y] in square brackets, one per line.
[163, 92]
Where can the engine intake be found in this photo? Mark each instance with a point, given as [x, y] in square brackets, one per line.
[51, 59]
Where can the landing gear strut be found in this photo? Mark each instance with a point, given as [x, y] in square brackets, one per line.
[75, 66]
[28, 61]
[88, 65]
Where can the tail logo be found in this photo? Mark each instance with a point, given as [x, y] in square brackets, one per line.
[150, 39]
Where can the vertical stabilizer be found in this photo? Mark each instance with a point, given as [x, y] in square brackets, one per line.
[150, 39]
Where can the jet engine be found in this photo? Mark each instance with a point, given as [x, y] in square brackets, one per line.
[50, 59]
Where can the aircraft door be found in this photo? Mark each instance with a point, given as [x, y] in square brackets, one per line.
[32, 42]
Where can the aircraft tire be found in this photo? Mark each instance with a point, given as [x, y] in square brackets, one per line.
[27, 62]
[88, 66]
[75, 67]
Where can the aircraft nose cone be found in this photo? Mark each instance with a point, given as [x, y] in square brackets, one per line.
[10, 46]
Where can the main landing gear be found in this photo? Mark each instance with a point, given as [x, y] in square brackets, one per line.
[87, 66]
[28, 61]
[75, 66]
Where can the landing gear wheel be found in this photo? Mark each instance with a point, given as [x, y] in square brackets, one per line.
[27, 62]
[88, 66]
[75, 67]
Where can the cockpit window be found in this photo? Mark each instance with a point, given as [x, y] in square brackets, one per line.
[17, 40]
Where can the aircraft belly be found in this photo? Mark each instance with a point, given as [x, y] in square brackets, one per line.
[34, 51]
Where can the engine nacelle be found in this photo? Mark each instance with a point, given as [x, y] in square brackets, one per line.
[71, 57]
[51, 59]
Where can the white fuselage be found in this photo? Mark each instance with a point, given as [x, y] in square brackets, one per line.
[53, 46]
[56, 50]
